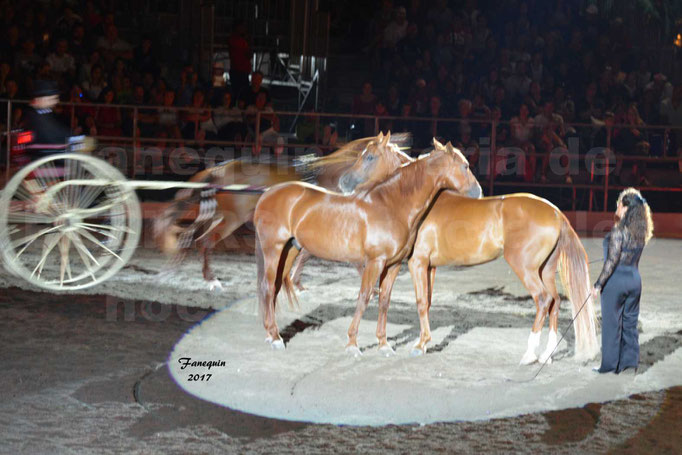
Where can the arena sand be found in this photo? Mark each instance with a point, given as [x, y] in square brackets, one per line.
[481, 318]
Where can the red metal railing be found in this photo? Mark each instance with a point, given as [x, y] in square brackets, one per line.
[347, 125]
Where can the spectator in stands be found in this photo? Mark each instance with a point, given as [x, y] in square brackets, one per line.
[93, 86]
[393, 100]
[197, 119]
[522, 129]
[518, 84]
[228, 120]
[500, 99]
[464, 125]
[107, 117]
[92, 17]
[78, 45]
[549, 118]
[67, 22]
[240, 59]
[5, 75]
[10, 92]
[118, 74]
[405, 123]
[671, 111]
[61, 61]
[11, 44]
[145, 60]
[420, 98]
[363, 104]
[86, 67]
[167, 117]
[481, 113]
[189, 84]
[76, 97]
[269, 123]
[396, 30]
[27, 61]
[632, 140]
[124, 94]
[113, 47]
[534, 98]
[385, 125]
[248, 96]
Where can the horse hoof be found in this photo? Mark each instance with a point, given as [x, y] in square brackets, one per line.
[545, 359]
[528, 358]
[354, 351]
[278, 345]
[416, 352]
[268, 339]
[214, 285]
[386, 350]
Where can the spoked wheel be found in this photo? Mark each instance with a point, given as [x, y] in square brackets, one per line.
[68, 222]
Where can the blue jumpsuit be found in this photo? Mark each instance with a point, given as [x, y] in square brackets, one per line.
[621, 288]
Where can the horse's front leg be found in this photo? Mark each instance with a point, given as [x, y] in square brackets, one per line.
[385, 288]
[419, 269]
[205, 249]
[372, 271]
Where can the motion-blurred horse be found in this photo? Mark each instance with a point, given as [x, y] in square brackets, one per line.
[375, 226]
[228, 211]
[531, 233]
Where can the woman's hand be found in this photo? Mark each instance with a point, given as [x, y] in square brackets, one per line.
[595, 292]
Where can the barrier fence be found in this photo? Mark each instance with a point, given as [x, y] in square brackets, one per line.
[590, 162]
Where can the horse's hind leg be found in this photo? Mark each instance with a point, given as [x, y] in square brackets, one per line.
[272, 256]
[372, 271]
[386, 286]
[419, 269]
[530, 276]
[548, 275]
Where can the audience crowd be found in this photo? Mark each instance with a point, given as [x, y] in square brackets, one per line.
[79, 45]
[540, 67]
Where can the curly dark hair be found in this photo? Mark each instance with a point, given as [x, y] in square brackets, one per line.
[637, 218]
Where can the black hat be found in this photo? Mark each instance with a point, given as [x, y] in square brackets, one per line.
[45, 88]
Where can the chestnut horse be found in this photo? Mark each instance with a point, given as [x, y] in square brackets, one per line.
[533, 236]
[233, 210]
[375, 227]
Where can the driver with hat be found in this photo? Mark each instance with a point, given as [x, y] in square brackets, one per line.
[49, 135]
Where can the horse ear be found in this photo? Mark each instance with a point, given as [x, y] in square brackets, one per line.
[449, 147]
[387, 138]
[437, 144]
[380, 137]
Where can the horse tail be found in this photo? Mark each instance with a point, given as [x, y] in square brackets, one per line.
[287, 282]
[261, 284]
[575, 278]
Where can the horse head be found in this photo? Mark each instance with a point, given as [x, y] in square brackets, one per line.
[378, 160]
[457, 173]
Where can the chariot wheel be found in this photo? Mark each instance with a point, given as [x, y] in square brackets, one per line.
[68, 221]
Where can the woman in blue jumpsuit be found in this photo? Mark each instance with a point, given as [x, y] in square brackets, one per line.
[620, 284]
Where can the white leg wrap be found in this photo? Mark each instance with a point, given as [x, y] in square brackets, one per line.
[533, 343]
[551, 344]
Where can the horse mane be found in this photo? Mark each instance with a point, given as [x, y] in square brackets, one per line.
[345, 154]
[352, 150]
[406, 177]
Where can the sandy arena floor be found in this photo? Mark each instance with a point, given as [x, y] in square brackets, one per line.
[480, 317]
